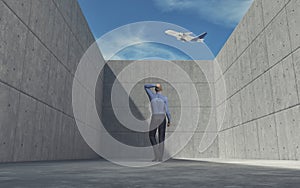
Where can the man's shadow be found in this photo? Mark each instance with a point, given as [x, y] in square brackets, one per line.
[112, 125]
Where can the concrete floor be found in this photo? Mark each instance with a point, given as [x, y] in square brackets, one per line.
[285, 164]
[174, 173]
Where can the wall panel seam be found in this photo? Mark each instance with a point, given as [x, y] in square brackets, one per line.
[257, 118]
[250, 43]
[258, 77]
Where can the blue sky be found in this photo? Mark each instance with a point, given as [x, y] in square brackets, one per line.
[148, 51]
[217, 17]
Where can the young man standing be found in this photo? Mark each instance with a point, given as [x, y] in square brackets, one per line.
[160, 109]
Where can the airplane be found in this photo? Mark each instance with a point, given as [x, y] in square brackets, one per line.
[187, 36]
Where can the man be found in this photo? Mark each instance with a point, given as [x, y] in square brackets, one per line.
[160, 109]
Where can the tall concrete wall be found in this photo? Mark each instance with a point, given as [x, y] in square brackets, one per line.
[41, 43]
[260, 65]
[140, 106]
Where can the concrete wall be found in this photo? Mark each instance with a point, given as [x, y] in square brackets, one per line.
[257, 112]
[260, 65]
[139, 104]
[41, 43]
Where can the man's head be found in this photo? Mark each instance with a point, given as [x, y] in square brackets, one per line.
[158, 88]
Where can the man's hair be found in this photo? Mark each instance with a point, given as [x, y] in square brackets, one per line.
[157, 89]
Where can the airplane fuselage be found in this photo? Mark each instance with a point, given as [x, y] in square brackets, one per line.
[186, 37]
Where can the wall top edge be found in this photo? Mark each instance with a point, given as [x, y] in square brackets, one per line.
[160, 60]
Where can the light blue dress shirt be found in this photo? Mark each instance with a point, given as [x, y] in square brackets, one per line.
[156, 95]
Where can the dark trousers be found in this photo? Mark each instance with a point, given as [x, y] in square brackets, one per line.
[158, 122]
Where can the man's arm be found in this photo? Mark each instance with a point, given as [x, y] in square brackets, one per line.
[167, 111]
[149, 91]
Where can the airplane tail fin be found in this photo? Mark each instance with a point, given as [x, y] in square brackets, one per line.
[200, 37]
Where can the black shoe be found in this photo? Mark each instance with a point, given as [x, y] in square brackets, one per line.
[154, 160]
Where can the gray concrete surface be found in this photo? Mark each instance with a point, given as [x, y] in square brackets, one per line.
[173, 173]
[139, 103]
[285, 164]
[41, 43]
[260, 66]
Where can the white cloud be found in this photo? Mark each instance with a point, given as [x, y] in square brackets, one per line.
[113, 42]
[224, 12]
